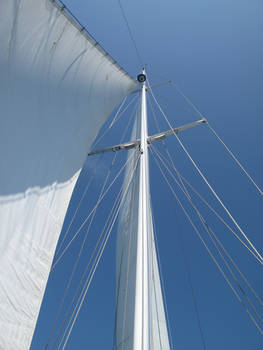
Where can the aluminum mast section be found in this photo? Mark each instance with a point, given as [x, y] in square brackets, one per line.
[142, 319]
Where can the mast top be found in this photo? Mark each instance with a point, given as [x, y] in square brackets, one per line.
[142, 76]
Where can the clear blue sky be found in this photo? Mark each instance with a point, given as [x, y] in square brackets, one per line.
[213, 50]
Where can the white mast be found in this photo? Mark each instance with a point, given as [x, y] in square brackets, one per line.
[142, 319]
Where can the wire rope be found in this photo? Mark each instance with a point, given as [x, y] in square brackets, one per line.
[207, 183]
[89, 215]
[80, 250]
[183, 250]
[117, 117]
[131, 34]
[191, 104]
[218, 137]
[78, 206]
[235, 158]
[209, 251]
[181, 178]
[209, 230]
[86, 234]
[98, 258]
[187, 268]
[161, 157]
[88, 265]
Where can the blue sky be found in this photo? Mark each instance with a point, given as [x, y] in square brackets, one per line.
[213, 50]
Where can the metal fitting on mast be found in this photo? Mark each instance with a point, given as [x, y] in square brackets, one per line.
[141, 77]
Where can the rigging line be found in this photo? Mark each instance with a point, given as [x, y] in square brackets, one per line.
[207, 183]
[86, 269]
[235, 159]
[80, 252]
[219, 217]
[236, 267]
[160, 156]
[186, 263]
[208, 250]
[162, 282]
[181, 242]
[89, 262]
[214, 132]
[218, 137]
[89, 215]
[239, 271]
[117, 116]
[187, 268]
[79, 204]
[100, 239]
[113, 121]
[131, 35]
[188, 100]
[87, 232]
[100, 254]
[186, 192]
[209, 232]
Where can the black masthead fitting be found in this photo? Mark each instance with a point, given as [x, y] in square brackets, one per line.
[141, 78]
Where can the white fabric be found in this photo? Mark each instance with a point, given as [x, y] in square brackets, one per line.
[56, 90]
[126, 270]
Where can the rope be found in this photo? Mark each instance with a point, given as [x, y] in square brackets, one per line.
[87, 218]
[92, 217]
[188, 100]
[209, 230]
[235, 159]
[117, 117]
[78, 206]
[89, 262]
[131, 35]
[208, 184]
[184, 190]
[209, 251]
[218, 137]
[160, 156]
[98, 258]
[81, 249]
[187, 268]
[192, 290]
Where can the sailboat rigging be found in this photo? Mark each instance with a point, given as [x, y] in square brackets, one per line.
[58, 87]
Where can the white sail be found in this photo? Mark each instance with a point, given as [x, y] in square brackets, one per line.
[56, 89]
[126, 269]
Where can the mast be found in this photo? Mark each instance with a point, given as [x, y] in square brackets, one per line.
[142, 319]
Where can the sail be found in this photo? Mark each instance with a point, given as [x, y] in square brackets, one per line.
[57, 87]
[126, 267]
